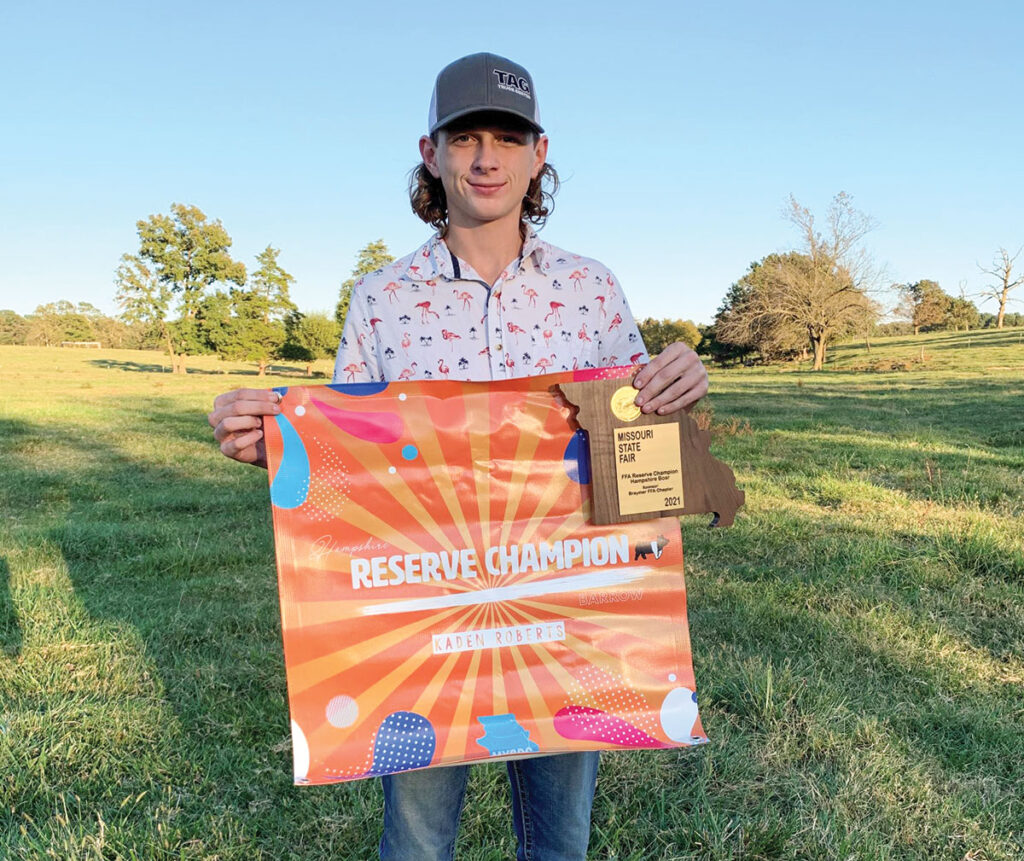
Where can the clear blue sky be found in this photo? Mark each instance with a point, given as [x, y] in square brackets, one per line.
[679, 129]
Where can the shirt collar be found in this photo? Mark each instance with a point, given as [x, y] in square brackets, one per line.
[538, 249]
[433, 259]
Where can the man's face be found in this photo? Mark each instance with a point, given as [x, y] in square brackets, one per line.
[485, 165]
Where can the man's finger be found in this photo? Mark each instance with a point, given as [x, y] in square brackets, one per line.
[650, 370]
[671, 363]
[235, 425]
[665, 377]
[230, 400]
[672, 352]
[246, 395]
[233, 446]
[675, 390]
[689, 388]
[242, 408]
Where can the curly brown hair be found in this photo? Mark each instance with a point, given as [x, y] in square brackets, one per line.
[426, 194]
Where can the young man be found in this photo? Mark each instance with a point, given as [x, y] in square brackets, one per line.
[484, 299]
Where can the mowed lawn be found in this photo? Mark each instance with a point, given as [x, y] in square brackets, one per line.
[858, 635]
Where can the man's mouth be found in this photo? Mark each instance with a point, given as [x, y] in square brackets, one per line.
[486, 188]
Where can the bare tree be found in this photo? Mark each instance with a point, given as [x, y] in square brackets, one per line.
[814, 294]
[1002, 271]
[831, 298]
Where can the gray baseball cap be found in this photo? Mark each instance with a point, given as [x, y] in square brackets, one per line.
[483, 82]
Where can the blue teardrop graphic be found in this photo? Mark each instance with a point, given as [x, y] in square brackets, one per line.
[576, 459]
[405, 740]
[291, 484]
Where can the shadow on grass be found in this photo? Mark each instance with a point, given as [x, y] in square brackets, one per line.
[182, 553]
[160, 368]
[957, 412]
[10, 629]
[820, 566]
[837, 660]
[953, 341]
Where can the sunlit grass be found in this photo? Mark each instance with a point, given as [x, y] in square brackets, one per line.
[858, 635]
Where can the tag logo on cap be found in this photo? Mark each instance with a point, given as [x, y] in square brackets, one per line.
[512, 83]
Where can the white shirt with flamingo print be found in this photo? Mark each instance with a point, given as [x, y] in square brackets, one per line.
[430, 316]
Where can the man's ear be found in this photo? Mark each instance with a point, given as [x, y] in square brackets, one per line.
[540, 155]
[428, 152]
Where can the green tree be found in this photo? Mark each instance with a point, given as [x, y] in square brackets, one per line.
[43, 327]
[269, 288]
[89, 311]
[60, 321]
[310, 337]
[256, 330]
[719, 351]
[119, 335]
[186, 254]
[372, 257]
[145, 303]
[212, 328]
[926, 303]
[962, 314]
[13, 327]
[247, 324]
[658, 334]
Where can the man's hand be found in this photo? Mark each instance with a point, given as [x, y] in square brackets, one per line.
[237, 422]
[673, 380]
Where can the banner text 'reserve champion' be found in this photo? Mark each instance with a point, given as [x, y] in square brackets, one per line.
[381, 571]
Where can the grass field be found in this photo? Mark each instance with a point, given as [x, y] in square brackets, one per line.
[858, 635]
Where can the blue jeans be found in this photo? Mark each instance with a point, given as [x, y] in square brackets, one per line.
[551, 801]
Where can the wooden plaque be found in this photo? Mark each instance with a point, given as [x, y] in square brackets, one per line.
[644, 465]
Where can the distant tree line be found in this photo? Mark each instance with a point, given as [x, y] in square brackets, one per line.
[658, 334]
[55, 323]
[795, 304]
[183, 292]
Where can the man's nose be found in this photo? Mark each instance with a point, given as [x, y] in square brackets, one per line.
[486, 155]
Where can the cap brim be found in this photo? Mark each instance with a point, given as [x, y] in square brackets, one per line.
[490, 109]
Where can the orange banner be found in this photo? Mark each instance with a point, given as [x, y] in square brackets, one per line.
[444, 598]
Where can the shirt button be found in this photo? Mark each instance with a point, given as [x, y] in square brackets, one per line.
[497, 346]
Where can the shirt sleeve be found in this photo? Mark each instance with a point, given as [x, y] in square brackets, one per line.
[619, 341]
[357, 360]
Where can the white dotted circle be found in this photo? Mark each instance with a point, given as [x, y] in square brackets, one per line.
[342, 711]
[300, 410]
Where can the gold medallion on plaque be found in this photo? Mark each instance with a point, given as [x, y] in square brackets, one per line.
[623, 404]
